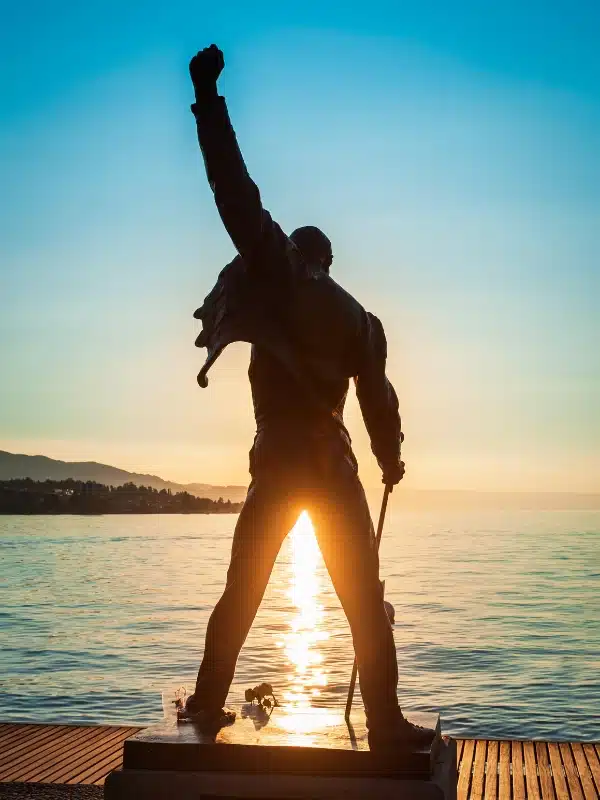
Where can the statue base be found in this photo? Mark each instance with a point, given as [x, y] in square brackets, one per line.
[288, 753]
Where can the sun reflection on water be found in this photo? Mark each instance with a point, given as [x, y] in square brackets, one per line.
[302, 641]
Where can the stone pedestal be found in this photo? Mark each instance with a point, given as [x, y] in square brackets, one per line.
[308, 754]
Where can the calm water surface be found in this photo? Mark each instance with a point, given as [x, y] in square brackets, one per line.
[498, 618]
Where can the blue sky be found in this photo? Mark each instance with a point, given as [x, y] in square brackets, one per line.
[451, 152]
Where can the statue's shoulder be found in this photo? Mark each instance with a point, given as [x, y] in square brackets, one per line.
[337, 292]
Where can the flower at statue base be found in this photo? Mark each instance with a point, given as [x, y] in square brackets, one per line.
[262, 694]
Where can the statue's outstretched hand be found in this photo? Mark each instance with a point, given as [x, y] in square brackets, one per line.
[205, 68]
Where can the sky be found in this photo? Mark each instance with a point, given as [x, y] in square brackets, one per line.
[451, 151]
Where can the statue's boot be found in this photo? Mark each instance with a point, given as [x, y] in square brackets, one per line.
[400, 734]
[208, 719]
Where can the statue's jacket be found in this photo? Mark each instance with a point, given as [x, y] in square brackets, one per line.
[308, 335]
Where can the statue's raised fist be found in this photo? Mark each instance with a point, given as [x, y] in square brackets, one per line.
[206, 66]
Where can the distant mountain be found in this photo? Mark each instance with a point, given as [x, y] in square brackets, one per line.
[41, 468]
[230, 492]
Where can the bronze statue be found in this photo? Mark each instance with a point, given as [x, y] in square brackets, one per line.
[309, 337]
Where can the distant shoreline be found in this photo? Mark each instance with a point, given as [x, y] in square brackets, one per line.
[25, 496]
[111, 513]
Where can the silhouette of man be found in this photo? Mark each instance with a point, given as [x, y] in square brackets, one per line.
[309, 338]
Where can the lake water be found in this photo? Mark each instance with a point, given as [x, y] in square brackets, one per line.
[498, 618]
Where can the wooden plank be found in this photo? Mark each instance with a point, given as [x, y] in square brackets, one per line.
[558, 774]
[504, 772]
[99, 779]
[459, 748]
[62, 747]
[63, 760]
[28, 744]
[68, 771]
[464, 776]
[8, 726]
[478, 779]
[544, 771]
[99, 767]
[18, 733]
[60, 736]
[571, 773]
[30, 753]
[7, 731]
[491, 771]
[102, 775]
[531, 776]
[504, 792]
[518, 778]
[28, 759]
[65, 763]
[585, 774]
[12, 740]
[594, 762]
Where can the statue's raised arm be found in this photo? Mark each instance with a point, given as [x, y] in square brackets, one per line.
[257, 238]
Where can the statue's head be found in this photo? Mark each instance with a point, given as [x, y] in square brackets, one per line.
[314, 246]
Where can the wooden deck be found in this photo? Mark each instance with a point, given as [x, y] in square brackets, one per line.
[488, 769]
[60, 753]
[493, 770]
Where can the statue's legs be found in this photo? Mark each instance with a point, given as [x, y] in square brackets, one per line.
[346, 538]
[266, 518]
[335, 499]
